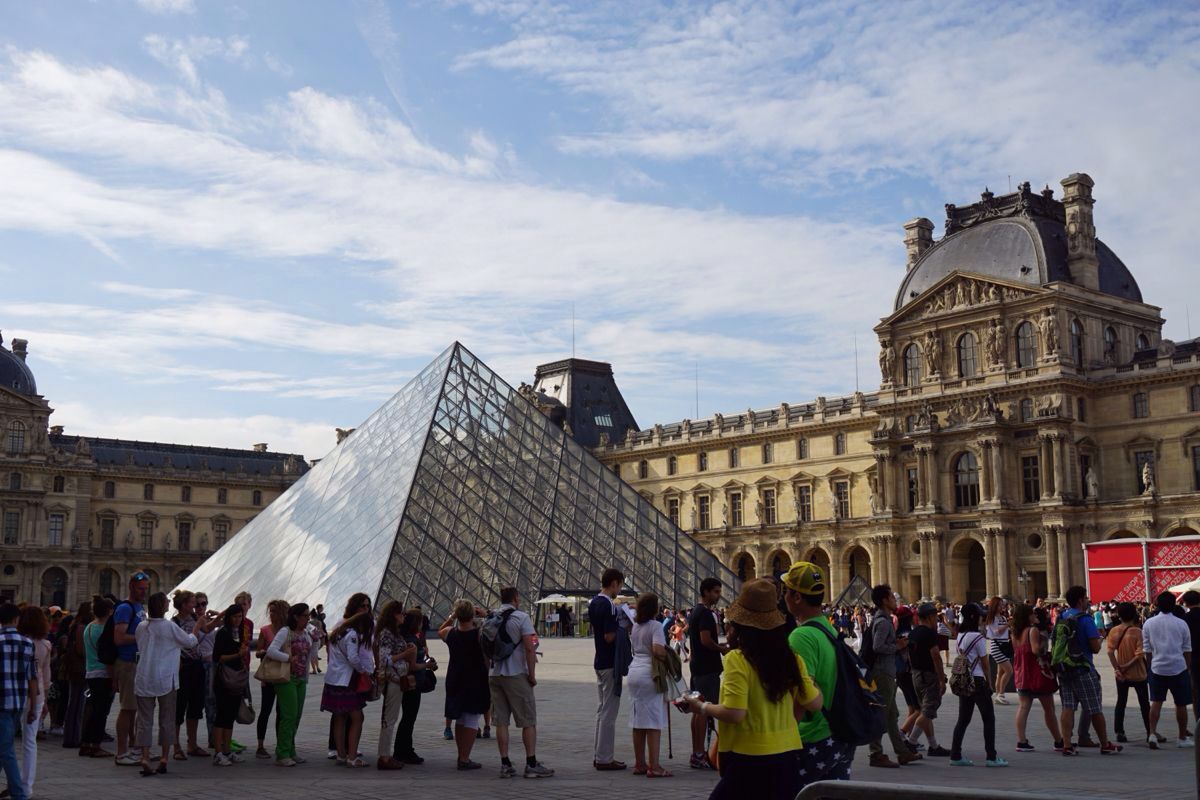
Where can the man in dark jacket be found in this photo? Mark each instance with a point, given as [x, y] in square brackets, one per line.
[1191, 600]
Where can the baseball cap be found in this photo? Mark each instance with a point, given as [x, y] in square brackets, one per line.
[805, 578]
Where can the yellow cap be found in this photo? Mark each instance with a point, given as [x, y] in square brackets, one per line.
[805, 578]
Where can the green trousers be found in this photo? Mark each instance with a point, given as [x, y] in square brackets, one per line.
[289, 703]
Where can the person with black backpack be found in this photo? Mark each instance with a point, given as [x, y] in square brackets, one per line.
[823, 756]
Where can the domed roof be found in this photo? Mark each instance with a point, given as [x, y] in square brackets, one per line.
[1019, 238]
[14, 374]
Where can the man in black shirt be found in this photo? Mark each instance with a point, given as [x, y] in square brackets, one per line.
[602, 613]
[928, 675]
[704, 639]
[1191, 599]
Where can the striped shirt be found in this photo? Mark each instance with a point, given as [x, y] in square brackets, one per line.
[17, 668]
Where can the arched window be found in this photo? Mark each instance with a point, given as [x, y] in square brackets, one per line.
[60, 484]
[966, 481]
[839, 444]
[1143, 342]
[912, 365]
[16, 437]
[802, 447]
[966, 355]
[1076, 336]
[733, 457]
[1026, 409]
[643, 469]
[1110, 345]
[1026, 346]
[766, 453]
[702, 461]
[256, 496]
[110, 490]
[672, 465]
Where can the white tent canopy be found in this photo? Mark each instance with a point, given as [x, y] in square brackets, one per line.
[553, 598]
[1185, 587]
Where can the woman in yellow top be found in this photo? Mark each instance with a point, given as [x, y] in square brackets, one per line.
[765, 691]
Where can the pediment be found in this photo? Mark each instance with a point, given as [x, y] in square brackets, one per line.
[958, 292]
[700, 488]
[839, 472]
[14, 400]
[802, 477]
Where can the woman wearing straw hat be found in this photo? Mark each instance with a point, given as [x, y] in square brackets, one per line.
[766, 690]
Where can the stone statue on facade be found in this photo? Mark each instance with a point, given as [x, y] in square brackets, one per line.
[724, 515]
[1148, 479]
[1048, 325]
[204, 542]
[796, 504]
[887, 360]
[695, 521]
[760, 512]
[167, 541]
[874, 500]
[993, 344]
[1092, 484]
[833, 506]
[933, 352]
[128, 540]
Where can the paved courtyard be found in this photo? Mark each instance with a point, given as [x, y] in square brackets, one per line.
[565, 704]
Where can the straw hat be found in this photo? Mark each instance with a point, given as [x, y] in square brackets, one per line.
[757, 606]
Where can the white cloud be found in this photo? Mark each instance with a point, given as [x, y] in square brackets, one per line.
[182, 55]
[168, 6]
[277, 65]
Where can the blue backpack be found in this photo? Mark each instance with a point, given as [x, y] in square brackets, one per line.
[856, 716]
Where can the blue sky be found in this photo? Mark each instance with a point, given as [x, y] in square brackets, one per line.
[233, 222]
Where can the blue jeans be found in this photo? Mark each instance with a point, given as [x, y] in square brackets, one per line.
[10, 723]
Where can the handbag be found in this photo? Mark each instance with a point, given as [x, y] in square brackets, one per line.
[426, 680]
[234, 679]
[366, 685]
[245, 712]
[272, 671]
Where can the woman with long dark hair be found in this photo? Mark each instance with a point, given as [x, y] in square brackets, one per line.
[230, 650]
[648, 713]
[391, 648]
[412, 633]
[356, 604]
[971, 646]
[74, 664]
[277, 610]
[1000, 648]
[290, 643]
[1034, 680]
[765, 691]
[349, 657]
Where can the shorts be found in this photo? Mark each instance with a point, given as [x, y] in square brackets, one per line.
[124, 672]
[1180, 687]
[469, 720]
[1001, 651]
[904, 682]
[1032, 693]
[825, 760]
[1080, 688]
[709, 686]
[943, 642]
[929, 693]
[512, 696]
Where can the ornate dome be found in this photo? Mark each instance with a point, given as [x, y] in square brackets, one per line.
[1020, 238]
[14, 374]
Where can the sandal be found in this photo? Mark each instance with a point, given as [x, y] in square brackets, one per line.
[199, 752]
[146, 771]
[358, 762]
[162, 768]
[639, 769]
[179, 756]
[659, 773]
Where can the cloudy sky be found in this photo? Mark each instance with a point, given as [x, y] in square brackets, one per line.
[232, 222]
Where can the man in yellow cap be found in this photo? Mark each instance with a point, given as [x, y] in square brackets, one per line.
[822, 758]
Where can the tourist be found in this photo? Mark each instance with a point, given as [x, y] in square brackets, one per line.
[648, 707]
[1191, 600]
[290, 643]
[566, 621]
[205, 651]
[705, 667]
[160, 642]
[904, 682]
[316, 634]
[602, 614]
[1124, 645]
[357, 604]
[999, 647]
[511, 682]
[99, 683]
[928, 677]
[75, 668]
[1080, 687]
[1167, 643]
[467, 694]
[972, 644]
[883, 648]
[349, 653]
[945, 631]
[244, 600]
[679, 636]
[34, 625]
[396, 657]
[1034, 679]
[822, 758]
[190, 698]
[277, 611]
[19, 683]
[764, 689]
[421, 681]
[230, 680]
[127, 615]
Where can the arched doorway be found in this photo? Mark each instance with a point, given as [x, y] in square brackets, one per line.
[1122, 535]
[969, 564]
[1183, 530]
[743, 566]
[858, 563]
[54, 587]
[780, 561]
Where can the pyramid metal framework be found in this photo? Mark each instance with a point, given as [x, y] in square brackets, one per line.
[453, 488]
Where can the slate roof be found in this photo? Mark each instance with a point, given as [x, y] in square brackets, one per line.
[127, 452]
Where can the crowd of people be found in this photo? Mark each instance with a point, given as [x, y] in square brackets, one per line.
[773, 688]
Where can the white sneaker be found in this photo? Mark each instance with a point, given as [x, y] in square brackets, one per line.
[222, 760]
[236, 758]
[332, 755]
[1188, 742]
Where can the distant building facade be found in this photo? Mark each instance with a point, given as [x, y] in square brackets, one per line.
[1028, 404]
[80, 515]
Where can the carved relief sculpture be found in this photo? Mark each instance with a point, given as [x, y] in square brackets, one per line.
[994, 344]
[1092, 484]
[887, 361]
[933, 352]
[1048, 325]
[1148, 479]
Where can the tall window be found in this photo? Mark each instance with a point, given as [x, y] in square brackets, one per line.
[185, 494]
[12, 526]
[110, 490]
[147, 528]
[910, 423]
[1026, 346]
[704, 511]
[1076, 336]
[106, 581]
[839, 444]
[802, 447]
[185, 536]
[221, 533]
[702, 461]
[1031, 482]
[733, 457]
[966, 355]
[672, 467]
[256, 495]
[16, 437]
[148, 491]
[55, 530]
[14, 481]
[1196, 468]
[1081, 409]
[966, 481]
[841, 496]
[108, 531]
[735, 509]
[1141, 405]
[914, 488]
[1143, 342]
[1110, 344]
[1140, 460]
[1026, 409]
[912, 365]
[223, 494]
[673, 510]
[804, 500]
[766, 453]
[643, 472]
[1194, 398]
[60, 484]
[768, 498]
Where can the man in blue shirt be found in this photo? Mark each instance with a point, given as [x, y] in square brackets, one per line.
[602, 613]
[1081, 687]
[126, 617]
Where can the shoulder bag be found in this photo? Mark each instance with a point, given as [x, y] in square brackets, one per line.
[272, 671]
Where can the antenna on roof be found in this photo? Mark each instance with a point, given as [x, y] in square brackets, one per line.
[856, 362]
[572, 329]
[697, 390]
[1188, 312]
[1010, 184]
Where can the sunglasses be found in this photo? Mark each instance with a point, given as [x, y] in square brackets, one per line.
[140, 576]
[201, 602]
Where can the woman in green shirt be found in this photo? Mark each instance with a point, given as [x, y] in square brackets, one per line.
[765, 691]
[99, 683]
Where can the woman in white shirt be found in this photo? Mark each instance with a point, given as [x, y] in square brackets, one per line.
[159, 643]
[648, 716]
[349, 658]
[972, 645]
[1000, 649]
[291, 643]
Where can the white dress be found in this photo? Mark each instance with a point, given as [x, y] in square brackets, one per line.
[648, 707]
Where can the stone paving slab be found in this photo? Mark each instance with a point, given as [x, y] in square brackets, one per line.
[566, 702]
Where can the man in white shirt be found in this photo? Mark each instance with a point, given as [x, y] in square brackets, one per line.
[511, 681]
[1167, 643]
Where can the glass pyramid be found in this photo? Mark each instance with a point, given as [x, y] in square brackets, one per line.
[453, 488]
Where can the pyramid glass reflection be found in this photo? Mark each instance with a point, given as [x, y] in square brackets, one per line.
[455, 487]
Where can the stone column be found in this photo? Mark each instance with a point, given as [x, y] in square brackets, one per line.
[1002, 581]
[1064, 560]
[1059, 473]
[1061, 456]
[939, 565]
[1050, 534]
[931, 472]
[985, 471]
[889, 463]
[888, 545]
[926, 564]
[922, 481]
[997, 472]
[989, 551]
[1045, 467]
[837, 572]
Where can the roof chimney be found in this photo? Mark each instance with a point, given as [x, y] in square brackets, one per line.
[918, 237]
[1081, 230]
[261, 447]
[20, 348]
